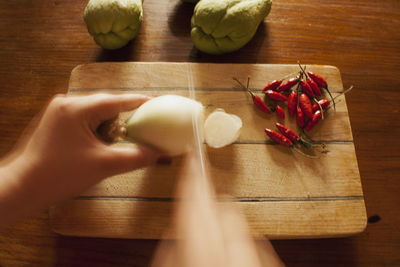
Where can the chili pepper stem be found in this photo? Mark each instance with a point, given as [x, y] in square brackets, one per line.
[239, 82]
[306, 143]
[328, 107]
[303, 70]
[307, 137]
[289, 75]
[344, 92]
[320, 108]
[251, 93]
[333, 100]
[304, 154]
[242, 85]
[297, 91]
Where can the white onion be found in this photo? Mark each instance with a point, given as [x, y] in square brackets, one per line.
[166, 123]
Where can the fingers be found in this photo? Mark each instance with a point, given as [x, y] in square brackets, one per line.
[239, 246]
[241, 249]
[268, 255]
[123, 158]
[103, 107]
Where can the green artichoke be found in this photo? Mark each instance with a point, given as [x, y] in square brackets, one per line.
[113, 23]
[226, 25]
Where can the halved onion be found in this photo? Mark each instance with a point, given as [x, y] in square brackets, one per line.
[166, 123]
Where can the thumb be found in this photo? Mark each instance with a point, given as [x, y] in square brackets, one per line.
[123, 158]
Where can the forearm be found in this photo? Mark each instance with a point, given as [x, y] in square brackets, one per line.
[18, 195]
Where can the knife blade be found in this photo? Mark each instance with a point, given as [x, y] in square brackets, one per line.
[198, 147]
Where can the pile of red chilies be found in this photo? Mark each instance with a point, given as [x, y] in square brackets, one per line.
[305, 102]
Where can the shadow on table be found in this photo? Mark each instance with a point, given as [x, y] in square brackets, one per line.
[80, 251]
[179, 21]
[250, 53]
[316, 252]
[126, 53]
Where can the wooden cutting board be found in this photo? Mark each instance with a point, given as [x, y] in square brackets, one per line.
[283, 194]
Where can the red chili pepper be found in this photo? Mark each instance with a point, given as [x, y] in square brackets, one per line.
[280, 112]
[272, 85]
[305, 87]
[275, 96]
[288, 133]
[314, 120]
[305, 105]
[322, 83]
[324, 104]
[278, 138]
[258, 102]
[287, 85]
[318, 79]
[314, 86]
[292, 103]
[300, 117]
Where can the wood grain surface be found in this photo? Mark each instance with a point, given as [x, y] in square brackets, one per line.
[42, 41]
[273, 186]
[147, 219]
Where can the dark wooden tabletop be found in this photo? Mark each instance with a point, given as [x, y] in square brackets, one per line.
[41, 41]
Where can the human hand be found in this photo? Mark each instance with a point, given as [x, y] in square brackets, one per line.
[209, 232]
[62, 156]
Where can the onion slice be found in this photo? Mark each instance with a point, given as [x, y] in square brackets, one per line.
[221, 128]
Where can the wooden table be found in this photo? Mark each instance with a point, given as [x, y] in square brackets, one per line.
[41, 41]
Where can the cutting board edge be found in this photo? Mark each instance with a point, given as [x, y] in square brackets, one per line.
[357, 228]
[84, 65]
[271, 237]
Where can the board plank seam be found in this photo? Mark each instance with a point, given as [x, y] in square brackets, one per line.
[260, 199]
[174, 89]
[268, 142]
